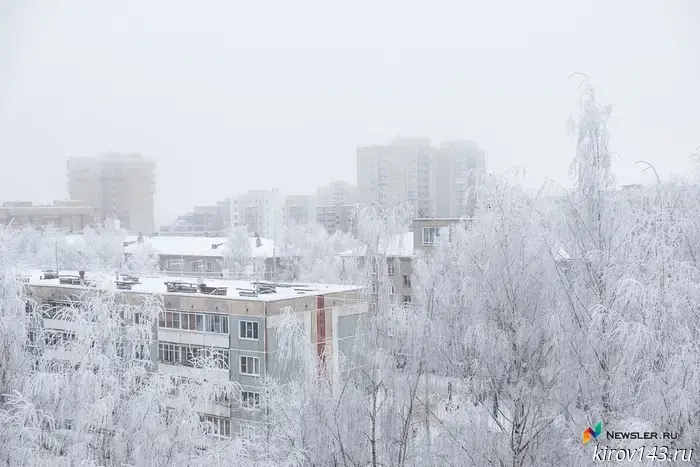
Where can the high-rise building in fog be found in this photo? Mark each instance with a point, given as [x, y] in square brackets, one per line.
[260, 211]
[338, 192]
[455, 166]
[335, 203]
[117, 186]
[300, 209]
[436, 181]
[401, 172]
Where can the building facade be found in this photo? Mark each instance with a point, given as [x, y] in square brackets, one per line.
[71, 216]
[203, 219]
[456, 165]
[117, 186]
[260, 211]
[435, 181]
[335, 217]
[338, 192]
[402, 172]
[234, 321]
[300, 209]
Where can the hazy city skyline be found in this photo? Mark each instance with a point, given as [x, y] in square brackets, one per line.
[253, 96]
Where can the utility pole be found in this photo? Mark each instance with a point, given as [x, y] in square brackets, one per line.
[56, 253]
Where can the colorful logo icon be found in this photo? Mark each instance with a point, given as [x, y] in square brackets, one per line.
[589, 433]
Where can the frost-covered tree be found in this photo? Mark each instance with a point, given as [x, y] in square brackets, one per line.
[238, 253]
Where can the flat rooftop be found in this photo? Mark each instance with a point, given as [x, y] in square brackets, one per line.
[156, 284]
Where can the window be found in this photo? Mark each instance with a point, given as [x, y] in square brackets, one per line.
[189, 322]
[406, 281]
[222, 426]
[173, 264]
[390, 269]
[249, 430]
[201, 265]
[250, 366]
[216, 323]
[188, 355]
[407, 299]
[169, 320]
[248, 330]
[169, 353]
[250, 400]
[429, 235]
[222, 398]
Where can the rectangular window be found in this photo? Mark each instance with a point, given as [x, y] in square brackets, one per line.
[169, 320]
[216, 323]
[169, 353]
[250, 400]
[390, 269]
[222, 426]
[248, 430]
[407, 299]
[188, 321]
[171, 264]
[406, 281]
[429, 235]
[248, 330]
[250, 366]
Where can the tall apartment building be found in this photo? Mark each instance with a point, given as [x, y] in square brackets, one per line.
[261, 211]
[436, 181]
[455, 163]
[401, 172]
[236, 321]
[338, 192]
[72, 216]
[300, 209]
[208, 220]
[117, 186]
[335, 203]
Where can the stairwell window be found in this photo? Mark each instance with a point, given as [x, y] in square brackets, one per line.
[429, 235]
[249, 366]
[248, 330]
[250, 400]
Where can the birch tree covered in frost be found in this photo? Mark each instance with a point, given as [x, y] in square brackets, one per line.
[630, 326]
[493, 335]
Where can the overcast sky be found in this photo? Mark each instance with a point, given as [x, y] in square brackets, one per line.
[228, 96]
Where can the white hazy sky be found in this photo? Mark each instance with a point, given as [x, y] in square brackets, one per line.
[231, 95]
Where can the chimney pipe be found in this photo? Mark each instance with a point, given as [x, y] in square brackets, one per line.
[81, 274]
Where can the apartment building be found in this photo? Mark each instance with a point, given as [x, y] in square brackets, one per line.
[261, 211]
[234, 321]
[337, 192]
[71, 216]
[335, 204]
[402, 172]
[117, 186]
[335, 217]
[198, 256]
[300, 209]
[201, 219]
[399, 254]
[456, 163]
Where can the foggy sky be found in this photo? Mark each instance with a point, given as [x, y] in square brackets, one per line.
[228, 96]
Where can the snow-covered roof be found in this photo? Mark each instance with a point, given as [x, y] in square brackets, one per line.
[155, 284]
[199, 246]
[400, 245]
